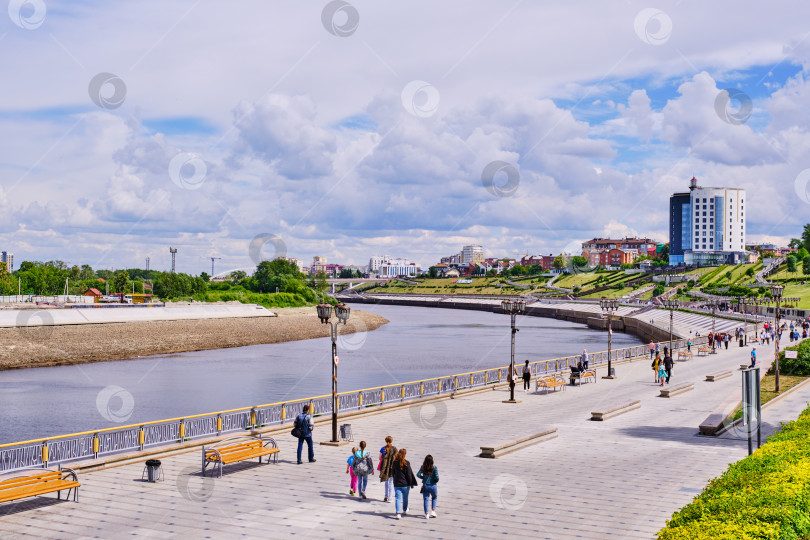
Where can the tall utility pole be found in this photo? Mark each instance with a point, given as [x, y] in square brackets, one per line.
[212, 264]
[147, 268]
[173, 251]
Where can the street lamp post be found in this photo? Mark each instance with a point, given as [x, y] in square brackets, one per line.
[342, 313]
[609, 306]
[512, 307]
[671, 304]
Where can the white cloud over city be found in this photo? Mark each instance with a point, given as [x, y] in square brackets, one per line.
[284, 128]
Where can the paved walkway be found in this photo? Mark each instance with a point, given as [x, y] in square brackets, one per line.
[619, 478]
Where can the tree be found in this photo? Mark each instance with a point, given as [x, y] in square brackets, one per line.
[238, 275]
[277, 274]
[665, 253]
[579, 261]
[120, 281]
[433, 272]
[205, 277]
[806, 266]
[749, 272]
[791, 263]
[794, 243]
[559, 262]
[802, 254]
[806, 237]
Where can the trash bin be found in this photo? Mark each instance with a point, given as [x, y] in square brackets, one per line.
[742, 343]
[153, 470]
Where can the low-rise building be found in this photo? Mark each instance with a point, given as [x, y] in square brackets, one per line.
[398, 267]
[593, 249]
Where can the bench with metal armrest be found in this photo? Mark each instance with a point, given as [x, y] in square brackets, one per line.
[32, 482]
[578, 376]
[238, 449]
[553, 381]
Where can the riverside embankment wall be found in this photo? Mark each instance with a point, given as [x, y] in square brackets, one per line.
[622, 323]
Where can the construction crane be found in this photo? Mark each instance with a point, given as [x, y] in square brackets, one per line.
[212, 264]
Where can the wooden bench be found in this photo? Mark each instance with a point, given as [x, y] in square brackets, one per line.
[745, 366]
[675, 390]
[684, 355]
[599, 416]
[588, 373]
[510, 446]
[717, 376]
[703, 351]
[238, 449]
[32, 482]
[555, 381]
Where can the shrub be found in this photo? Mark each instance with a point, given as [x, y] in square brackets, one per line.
[795, 366]
[765, 495]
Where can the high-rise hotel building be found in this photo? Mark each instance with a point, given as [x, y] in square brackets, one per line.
[707, 226]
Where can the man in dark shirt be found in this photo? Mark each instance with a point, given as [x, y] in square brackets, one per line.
[668, 365]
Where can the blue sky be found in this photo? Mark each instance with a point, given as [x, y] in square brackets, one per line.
[218, 123]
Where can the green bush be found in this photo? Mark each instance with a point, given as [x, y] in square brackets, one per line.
[765, 495]
[795, 366]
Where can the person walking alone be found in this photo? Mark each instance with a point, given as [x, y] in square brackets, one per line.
[527, 377]
[404, 480]
[584, 359]
[726, 339]
[387, 454]
[303, 422]
[652, 350]
[429, 474]
[362, 468]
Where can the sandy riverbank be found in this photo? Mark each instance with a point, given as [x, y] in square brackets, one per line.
[79, 344]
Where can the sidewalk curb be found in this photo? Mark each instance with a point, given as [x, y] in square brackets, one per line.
[765, 406]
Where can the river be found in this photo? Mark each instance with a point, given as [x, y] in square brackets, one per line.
[418, 343]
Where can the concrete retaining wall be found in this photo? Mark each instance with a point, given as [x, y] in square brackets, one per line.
[642, 330]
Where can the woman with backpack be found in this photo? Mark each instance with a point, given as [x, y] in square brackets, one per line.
[387, 454]
[404, 480]
[429, 474]
[362, 468]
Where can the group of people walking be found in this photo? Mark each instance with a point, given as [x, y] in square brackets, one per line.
[395, 470]
[662, 367]
[396, 475]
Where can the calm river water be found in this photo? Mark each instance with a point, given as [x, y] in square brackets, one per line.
[418, 343]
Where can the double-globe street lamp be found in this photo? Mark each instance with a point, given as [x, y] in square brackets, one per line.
[609, 307]
[342, 313]
[671, 304]
[512, 307]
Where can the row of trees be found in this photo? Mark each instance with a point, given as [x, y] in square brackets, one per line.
[51, 277]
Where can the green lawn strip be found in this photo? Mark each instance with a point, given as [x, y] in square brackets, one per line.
[768, 385]
[765, 495]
